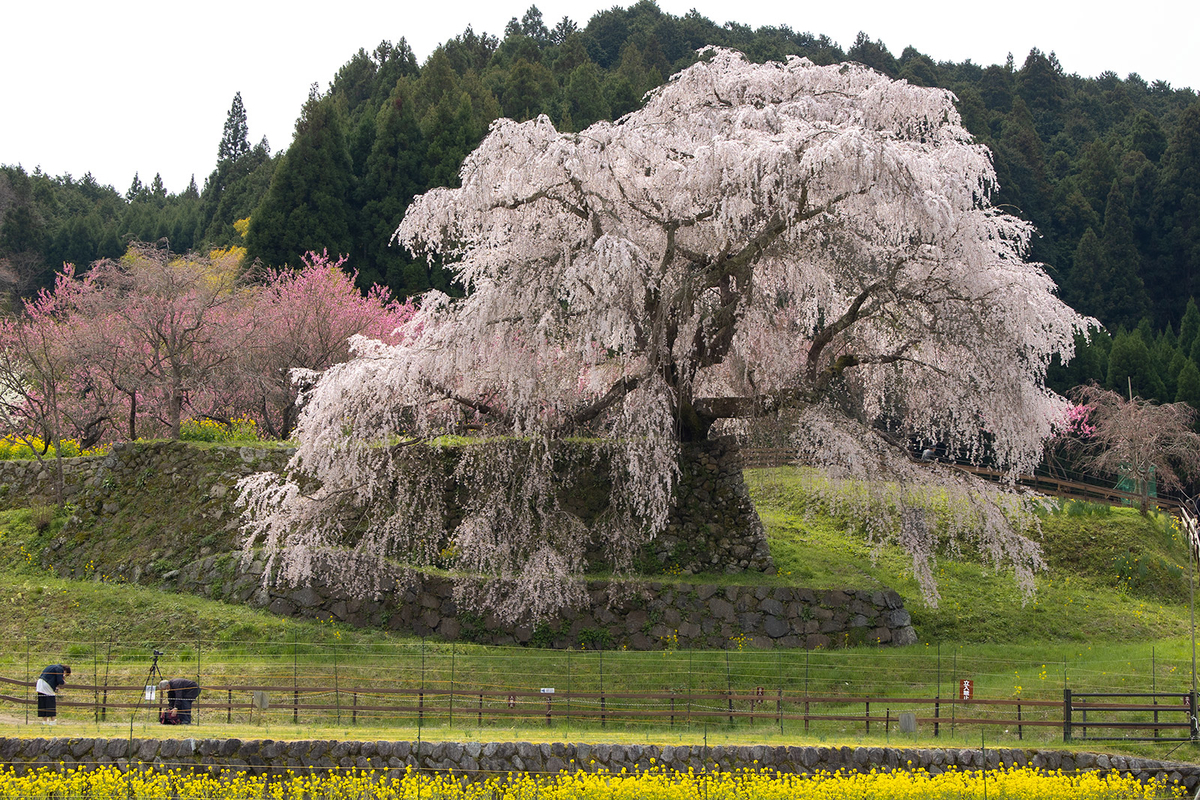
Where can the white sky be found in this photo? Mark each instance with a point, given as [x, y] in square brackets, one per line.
[144, 86]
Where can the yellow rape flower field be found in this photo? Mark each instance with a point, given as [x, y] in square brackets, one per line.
[109, 783]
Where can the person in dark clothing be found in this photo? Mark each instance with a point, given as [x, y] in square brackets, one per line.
[181, 693]
[53, 678]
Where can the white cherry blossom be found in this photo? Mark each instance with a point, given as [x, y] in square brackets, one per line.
[758, 237]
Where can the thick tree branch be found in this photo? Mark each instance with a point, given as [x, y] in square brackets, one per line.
[614, 395]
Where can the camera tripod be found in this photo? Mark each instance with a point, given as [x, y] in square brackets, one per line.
[151, 680]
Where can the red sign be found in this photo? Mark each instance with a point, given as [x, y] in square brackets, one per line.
[966, 689]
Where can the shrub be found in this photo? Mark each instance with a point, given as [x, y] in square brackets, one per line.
[40, 516]
[14, 448]
[241, 429]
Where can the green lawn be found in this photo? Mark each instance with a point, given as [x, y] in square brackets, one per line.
[1110, 614]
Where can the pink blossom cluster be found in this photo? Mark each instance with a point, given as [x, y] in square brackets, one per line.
[132, 347]
[1076, 421]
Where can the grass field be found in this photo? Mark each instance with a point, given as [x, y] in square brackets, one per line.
[1110, 614]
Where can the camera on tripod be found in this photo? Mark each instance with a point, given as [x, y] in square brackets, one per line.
[159, 653]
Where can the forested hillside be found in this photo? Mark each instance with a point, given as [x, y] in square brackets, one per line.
[1108, 168]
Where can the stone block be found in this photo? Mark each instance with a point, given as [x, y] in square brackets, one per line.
[306, 597]
[834, 598]
[772, 607]
[721, 609]
[448, 628]
[776, 627]
[281, 607]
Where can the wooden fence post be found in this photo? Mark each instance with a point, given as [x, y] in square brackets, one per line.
[1066, 715]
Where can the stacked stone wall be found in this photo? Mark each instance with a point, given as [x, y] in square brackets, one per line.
[172, 490]
[477, 759]
[636, 615]
[142, 510]
[164, 513]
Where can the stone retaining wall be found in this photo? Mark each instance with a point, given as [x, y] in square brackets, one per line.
[163, 513]
[142, 510]
[136, 465]
[475, 758]
[636, 615]
[712, 528]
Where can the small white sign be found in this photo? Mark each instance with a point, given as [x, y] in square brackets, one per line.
[547, 690]
[149, 695]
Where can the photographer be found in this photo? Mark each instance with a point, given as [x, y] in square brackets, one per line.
[181, 693]
[53, 678]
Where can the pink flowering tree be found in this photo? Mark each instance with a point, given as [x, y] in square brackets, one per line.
[757, 238]
[40, 377]
[1148, 443]
[163, 329]
[1077, 422]
[135, 345]
[304, 320]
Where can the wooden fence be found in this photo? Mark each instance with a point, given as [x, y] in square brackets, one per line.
[760, 706]
[1067, 488]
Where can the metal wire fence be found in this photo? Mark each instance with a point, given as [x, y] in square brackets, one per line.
[436, 684]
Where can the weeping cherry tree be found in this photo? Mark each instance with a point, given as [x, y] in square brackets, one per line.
[777, 238]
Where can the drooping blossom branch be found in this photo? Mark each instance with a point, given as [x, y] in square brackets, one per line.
[756, 237]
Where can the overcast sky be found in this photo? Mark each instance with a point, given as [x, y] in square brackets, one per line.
[136, 86]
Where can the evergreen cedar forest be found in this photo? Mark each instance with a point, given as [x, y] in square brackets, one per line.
[1107, 168]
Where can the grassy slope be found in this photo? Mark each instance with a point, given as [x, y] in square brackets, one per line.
[1111, 574]
[1109, 613]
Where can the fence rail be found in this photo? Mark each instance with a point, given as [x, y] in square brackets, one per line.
[672, 708]
[1083, 702]
[766, 457]
[404, 685]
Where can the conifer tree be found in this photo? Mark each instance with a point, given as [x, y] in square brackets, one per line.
[1179, 204]
[1086, 289]
[136, 190]
[1123, 285]
[307, 208]
[1190, 326]
[583, 98]
[394, 174]
[235, 141]
[1131, 367]
[1188, 390]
